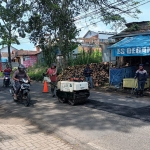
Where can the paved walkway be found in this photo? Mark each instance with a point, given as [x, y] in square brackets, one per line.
[17, 137]
[19, 134]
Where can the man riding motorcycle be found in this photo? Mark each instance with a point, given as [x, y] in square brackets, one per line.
[17, 76]
[7, 72]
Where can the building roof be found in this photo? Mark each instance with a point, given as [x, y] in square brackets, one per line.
[99, 34]
[26, 53]
[90, 32]
[5, 54]
[132, 46]
[133, 29]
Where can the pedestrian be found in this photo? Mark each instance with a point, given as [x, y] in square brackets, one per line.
[52, 73]
[141, 76]
[87, 73]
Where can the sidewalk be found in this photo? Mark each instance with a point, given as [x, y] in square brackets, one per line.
[19, 134]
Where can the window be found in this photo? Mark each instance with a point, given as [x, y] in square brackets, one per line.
[26, 58]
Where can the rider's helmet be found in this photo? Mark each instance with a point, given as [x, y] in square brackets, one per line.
[21, 68]
[53, 65]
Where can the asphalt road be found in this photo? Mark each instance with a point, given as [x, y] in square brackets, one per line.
[108, 121]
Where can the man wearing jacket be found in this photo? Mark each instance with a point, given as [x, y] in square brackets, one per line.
[141, 76]
[87, 73]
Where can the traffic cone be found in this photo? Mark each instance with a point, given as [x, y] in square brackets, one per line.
[45, 88]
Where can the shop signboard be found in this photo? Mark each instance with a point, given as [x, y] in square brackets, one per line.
[132, 46]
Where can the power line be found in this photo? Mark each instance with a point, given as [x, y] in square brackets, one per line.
[82, 17]
[126, 10]
[91, 13]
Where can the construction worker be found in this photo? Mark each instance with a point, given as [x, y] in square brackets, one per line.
[88, 75]
[141, 76]
[52, 73]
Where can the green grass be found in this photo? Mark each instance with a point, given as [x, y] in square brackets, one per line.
[36, 72]
[86, 58]
[1, 74]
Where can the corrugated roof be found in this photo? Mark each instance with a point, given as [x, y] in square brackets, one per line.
[132, 46]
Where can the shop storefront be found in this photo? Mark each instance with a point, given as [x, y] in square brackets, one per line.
[134, 51]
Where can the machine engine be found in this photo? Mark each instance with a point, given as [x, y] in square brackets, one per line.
[72, 92]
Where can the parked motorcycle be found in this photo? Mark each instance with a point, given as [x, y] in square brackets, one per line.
[6, 79]
[23, 95]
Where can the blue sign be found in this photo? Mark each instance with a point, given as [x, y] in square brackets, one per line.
[135, 51]
[132, 46]
[4, 60]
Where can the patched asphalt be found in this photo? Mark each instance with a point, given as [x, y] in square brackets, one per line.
[142, 113]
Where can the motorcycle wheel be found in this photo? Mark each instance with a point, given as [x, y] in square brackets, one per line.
[28, 100]
[6, 84]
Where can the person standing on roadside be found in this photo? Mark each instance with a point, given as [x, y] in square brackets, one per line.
[52, 73]
[141, 76]
[87, 73]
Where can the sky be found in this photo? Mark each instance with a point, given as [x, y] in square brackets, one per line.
[144, 16]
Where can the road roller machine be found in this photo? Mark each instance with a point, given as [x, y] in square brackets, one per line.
[72, 92]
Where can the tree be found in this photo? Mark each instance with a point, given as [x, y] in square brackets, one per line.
[53, 30]
[12, 22]
[54, 21]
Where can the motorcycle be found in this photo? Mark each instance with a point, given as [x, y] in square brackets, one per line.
[23, 95]
[6, 79]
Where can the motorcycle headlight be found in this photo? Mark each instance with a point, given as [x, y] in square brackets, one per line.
[26, 85]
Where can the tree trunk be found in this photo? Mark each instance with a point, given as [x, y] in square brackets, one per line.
[9, 56]
[9, 44]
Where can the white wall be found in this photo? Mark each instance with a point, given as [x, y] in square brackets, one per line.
[75, 51]
[104, 36]
[107, 55]
[5, 49]
[21, 59]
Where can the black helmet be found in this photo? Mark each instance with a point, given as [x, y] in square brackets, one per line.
[21, 68]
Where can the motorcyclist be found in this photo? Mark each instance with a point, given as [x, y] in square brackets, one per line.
[7, 71]
[17, 76]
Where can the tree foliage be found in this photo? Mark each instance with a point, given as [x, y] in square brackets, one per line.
[51, 23]
[54, 21]
[12, 22]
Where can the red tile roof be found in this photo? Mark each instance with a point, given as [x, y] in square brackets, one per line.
[26, 53]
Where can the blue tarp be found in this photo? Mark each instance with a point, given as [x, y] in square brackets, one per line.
[132, 46]
[117, 75]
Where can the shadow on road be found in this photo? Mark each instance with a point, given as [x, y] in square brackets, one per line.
[93, 117]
